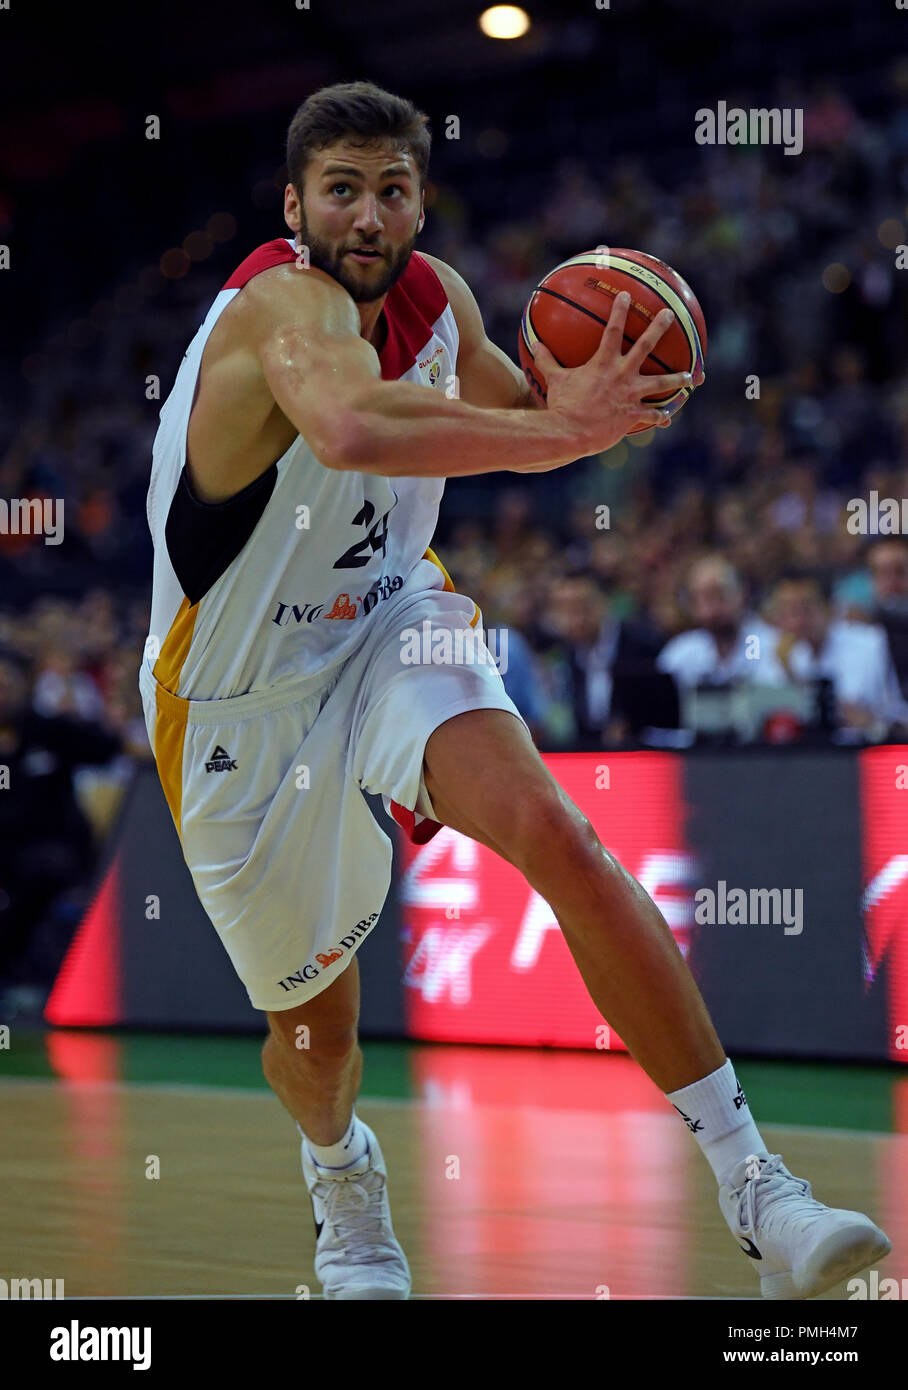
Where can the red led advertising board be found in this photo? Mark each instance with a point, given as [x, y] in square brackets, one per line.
[485, 960]
[884, 818]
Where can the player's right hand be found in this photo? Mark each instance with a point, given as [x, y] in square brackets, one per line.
[603, 399]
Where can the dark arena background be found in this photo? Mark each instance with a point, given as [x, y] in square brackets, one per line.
[142, 1154]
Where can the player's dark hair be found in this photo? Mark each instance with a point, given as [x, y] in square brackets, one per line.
[359, 112]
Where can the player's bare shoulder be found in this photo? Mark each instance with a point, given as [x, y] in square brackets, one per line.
[446, 273]
[283, 323]
[290, 296]
[455, 285]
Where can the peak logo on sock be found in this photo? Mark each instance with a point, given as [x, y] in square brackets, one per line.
[693, 1125]
[740, 1099]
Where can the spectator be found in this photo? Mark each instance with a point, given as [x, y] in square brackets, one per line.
[46, 845]
[591, 648]
[61, 688]
[729, 644]
[853, 656]
[510, 649]
[888, 563]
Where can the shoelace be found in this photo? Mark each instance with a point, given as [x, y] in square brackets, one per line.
[788, 1195]
[347, 1204]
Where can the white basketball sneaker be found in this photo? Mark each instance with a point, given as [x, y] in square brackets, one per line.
[799, 1247]
[356, 1252]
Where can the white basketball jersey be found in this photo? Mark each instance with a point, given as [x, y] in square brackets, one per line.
[281, 580]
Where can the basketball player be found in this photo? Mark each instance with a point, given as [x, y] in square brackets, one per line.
[296, 480]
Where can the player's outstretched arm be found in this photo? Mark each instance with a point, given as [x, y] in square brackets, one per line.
[327, 381]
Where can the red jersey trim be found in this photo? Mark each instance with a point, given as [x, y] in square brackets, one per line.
[275, 252]
[411, 307]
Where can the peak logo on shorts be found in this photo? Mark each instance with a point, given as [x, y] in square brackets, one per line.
[220, 761]
[326, 958]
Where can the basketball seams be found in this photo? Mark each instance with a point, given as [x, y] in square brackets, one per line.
[679, 396]
[664, 291]
[650, 280]
[653, 281]
[625, 338]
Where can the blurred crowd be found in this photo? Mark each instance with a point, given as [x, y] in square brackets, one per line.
[699, 585]
[604, 642]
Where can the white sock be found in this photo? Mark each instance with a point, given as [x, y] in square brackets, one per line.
[347, 1151]
[716, 1112]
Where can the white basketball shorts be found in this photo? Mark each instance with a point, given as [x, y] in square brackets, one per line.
[266, 789]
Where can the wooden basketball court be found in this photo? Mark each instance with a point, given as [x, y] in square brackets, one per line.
[511, 1173]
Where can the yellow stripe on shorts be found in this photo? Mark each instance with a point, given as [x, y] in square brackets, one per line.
[172, 709]
[449, 583]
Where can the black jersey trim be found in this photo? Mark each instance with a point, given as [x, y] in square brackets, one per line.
[204, 538]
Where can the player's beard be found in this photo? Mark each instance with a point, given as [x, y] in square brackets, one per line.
[362, 288]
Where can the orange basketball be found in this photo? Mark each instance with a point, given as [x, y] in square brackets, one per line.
[570, 307]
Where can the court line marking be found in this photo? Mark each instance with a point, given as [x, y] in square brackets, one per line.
[385, 1102]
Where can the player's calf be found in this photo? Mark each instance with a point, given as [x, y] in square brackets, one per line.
[312, 1060]
[316, 1084]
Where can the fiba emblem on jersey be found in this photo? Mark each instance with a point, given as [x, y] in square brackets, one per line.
[431, 365]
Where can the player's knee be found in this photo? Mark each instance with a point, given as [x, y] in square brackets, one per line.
[314, 1039]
